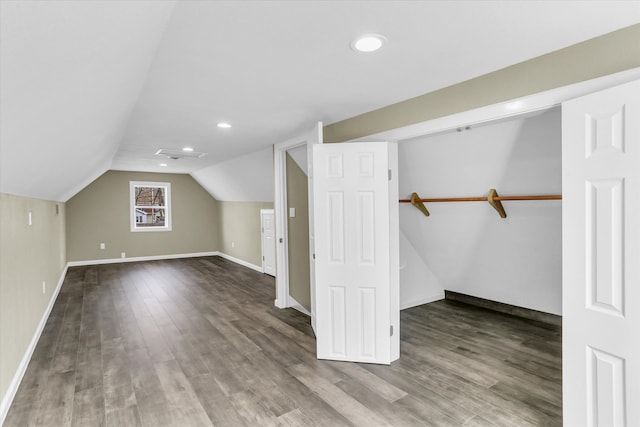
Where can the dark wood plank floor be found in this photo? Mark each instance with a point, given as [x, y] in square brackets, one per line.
[196, 342]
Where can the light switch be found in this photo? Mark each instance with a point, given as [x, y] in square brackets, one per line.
[292, 212]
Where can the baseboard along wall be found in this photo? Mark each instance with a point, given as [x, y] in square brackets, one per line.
[527, 313]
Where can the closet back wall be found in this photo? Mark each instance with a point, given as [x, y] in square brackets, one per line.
[467, 246]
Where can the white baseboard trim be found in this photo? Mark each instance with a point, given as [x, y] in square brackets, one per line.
[416, 302]
[240, 261]
[7, 399]
[296, 305]
[140, 258]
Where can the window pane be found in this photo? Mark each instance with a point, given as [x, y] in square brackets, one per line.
[150, 217]
[150, 196]
[150, 206]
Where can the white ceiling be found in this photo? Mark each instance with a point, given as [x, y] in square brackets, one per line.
[96, 85]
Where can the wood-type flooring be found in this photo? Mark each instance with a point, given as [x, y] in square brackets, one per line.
[198, 342]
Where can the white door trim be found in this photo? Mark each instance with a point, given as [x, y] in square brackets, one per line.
[280, 210]
[514, 107]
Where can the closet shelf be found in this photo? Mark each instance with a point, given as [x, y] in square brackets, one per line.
[493, 198]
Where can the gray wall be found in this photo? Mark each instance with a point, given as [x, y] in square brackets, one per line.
[30, 255]
[601, 56]
[100, 214]
[298, 234]
[239, 224]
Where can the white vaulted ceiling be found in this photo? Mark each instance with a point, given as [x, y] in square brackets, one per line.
[70, 75]
[96, 85]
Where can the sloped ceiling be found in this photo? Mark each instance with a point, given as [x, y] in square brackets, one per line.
[71, 73]
[88, 86]
[246, 178]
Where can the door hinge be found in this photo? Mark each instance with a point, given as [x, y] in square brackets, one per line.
[389, 174]
[263, 257]
[313, 256]
[391, 331]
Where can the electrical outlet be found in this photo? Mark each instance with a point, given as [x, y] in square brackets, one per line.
[30, 218]
[44, 287]
[102, 246]
[123, 255]
[233, 244]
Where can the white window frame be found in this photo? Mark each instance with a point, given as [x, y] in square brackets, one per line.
[132, 205]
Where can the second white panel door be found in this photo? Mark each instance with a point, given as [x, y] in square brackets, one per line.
[354, 277]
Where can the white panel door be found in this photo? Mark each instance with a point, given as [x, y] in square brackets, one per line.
[601, 258]
[267, 220]
[356, 251]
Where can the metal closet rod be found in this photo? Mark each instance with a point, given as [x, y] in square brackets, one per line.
[493, 198]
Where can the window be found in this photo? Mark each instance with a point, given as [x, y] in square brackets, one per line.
[150, 206]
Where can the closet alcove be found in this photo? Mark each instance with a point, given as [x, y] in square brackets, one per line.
[467, 248]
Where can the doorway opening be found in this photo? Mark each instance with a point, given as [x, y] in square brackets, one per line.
[268, 241]
[297, 184]
[289, 151]
[467, 248]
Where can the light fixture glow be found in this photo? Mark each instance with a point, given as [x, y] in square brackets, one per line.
[187, 149]
[514, 105]
[163, 164]
[368, 43]
[224, 125]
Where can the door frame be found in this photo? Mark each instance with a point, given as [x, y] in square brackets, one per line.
[281, 218]
[262, 213]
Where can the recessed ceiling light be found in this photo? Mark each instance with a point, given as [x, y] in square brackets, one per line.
[368, 43]
[187, 149]
[224, 125]
[163, 164]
